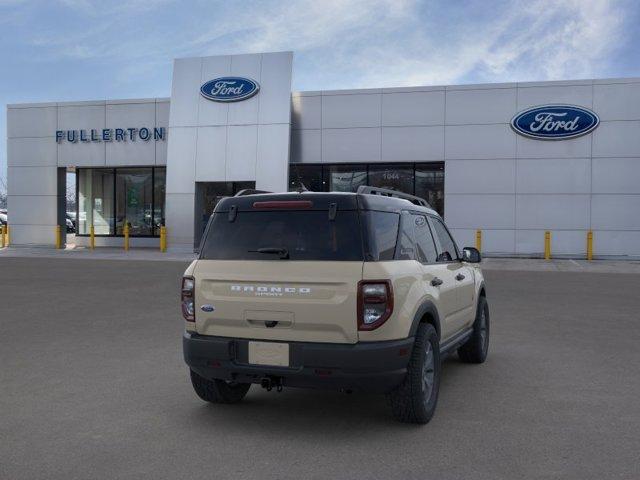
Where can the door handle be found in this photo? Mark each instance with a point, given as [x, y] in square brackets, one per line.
[459, 277]
[436, 282]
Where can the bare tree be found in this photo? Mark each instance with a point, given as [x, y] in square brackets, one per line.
[71, 192]
[3, 193]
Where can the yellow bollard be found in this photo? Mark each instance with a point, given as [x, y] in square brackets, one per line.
[126, 237]
[479, 240]
[7, 232]
[547, 245]
[163, 239]
[58, 237]
[589, 245]
[1, 236]
[92, 237]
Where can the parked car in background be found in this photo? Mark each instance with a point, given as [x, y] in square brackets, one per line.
[71, 222]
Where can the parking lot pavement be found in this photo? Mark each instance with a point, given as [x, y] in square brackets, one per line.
[92, 385]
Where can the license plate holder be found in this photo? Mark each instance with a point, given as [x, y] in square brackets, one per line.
[274, 354]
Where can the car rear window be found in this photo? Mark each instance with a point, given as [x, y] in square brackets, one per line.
[303, 235]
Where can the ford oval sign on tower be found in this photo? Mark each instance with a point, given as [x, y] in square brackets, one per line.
[555, 122]
[229, 89]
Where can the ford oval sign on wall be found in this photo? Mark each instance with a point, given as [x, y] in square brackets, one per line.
[229, 89]
[555, 122]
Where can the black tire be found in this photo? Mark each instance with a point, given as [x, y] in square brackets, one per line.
[475, 350]
[414, 401]
[218, 391]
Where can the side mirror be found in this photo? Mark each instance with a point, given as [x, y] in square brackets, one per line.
[471, 255]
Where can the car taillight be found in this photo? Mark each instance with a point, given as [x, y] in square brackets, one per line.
[188, 308]
[375, 303]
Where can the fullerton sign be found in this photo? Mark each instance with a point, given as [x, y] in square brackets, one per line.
[555, 122]
[111, 135]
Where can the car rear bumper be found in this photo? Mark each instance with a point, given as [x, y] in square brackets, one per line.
[368, 367]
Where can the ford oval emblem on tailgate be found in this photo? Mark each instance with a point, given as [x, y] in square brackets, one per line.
[207, 308]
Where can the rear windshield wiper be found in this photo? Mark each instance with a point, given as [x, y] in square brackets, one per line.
[283, 252]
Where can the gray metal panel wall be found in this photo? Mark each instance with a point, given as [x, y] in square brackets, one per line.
[511, 187]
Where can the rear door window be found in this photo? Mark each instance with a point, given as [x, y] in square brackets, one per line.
[382, 234]
[447, 250]
[268, 235]
[426, 248]
[406, 242]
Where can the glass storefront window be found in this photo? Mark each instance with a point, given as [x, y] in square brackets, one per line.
[425, 180]
[394, 177]
[430, 185]
[134, 201]
[309, 176]
[109, 197]
[95, 201]
[345, 178]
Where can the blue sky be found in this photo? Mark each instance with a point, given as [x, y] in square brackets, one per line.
[96, 49]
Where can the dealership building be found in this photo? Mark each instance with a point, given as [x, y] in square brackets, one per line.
[513, 160]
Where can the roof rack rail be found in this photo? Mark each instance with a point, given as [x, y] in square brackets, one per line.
[385, 192]
[250, 191]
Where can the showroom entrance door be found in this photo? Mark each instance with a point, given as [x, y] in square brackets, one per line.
[208, 194]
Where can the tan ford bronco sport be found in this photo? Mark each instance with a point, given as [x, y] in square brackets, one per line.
[361, 291]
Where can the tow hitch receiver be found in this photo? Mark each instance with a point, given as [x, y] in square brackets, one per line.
[271, 382]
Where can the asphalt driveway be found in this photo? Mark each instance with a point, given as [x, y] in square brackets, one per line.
[92, 386]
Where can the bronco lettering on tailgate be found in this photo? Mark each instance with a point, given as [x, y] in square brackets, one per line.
[269, 290]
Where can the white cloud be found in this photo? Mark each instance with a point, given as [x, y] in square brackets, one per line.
[360, 43]
[390, 43]
[540, 40]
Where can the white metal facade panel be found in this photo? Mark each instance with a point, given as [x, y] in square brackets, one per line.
[33, 181]
[480, 106]
[616, 175]
[128, 152]
[351, 145]
[412, 144]
[32, 152]
[32, 173]
[306, 146]
[182, 171]
[162, 121]
[31, 122]
[402, 109]
[489, 210]
[271, 171]
[553, 175]
[306, 111]
[511, 187]
[211, 153]
[490, 176]
[617, 101]
[230, 149]
[351, 111]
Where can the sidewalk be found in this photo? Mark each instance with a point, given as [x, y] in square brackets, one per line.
[513, 264]
[562, 265]
[102, 253]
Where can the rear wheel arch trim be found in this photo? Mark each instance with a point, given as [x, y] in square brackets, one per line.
[427, 309]
[482, 291]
